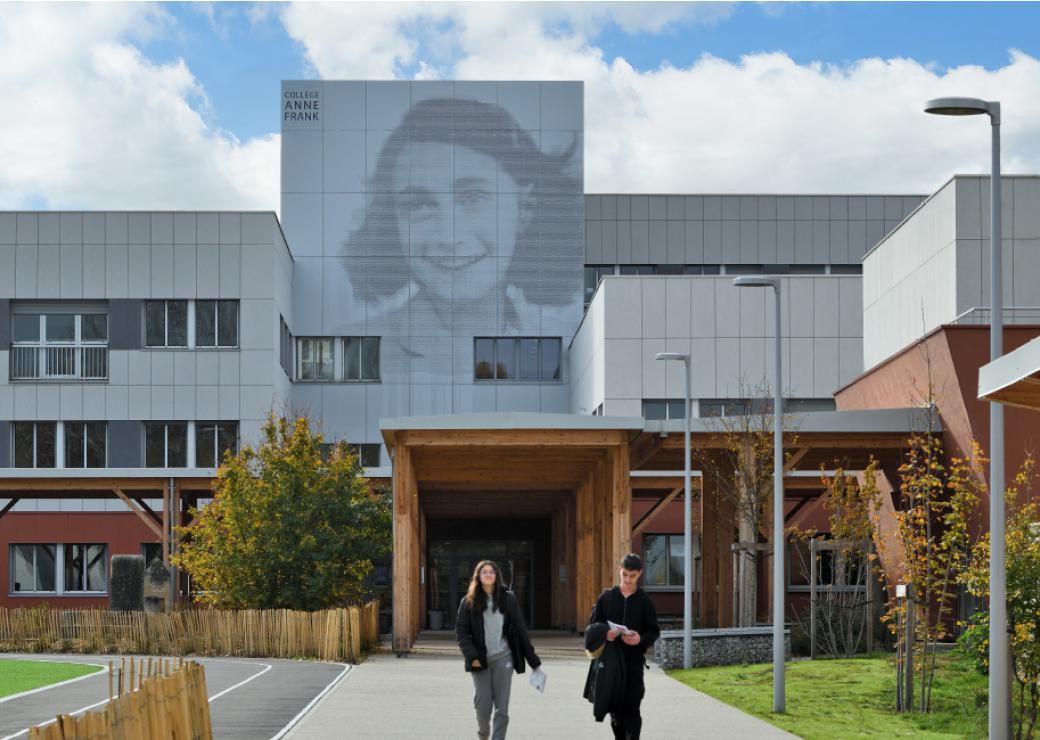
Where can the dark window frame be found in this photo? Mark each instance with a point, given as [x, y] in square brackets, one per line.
[166, 443]
[550, 350]
[85, 452]
[217, 428]
[166, 323]
[20, 426]
[221, 306]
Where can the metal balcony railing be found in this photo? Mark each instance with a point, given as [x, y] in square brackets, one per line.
[49, 361]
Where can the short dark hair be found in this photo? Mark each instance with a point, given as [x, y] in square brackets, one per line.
[632, 562]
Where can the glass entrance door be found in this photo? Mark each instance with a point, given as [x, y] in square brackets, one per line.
[451, 567]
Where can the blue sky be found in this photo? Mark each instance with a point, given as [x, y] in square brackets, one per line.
[240, 59]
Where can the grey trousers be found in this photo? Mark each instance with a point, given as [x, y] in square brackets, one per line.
[491, 690]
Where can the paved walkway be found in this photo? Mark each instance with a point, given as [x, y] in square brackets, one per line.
[430, 696]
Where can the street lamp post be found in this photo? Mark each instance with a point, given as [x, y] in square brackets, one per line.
[779, 698]
[999, 724]
[687, 518]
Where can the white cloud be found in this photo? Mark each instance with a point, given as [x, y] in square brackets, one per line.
[91, 123]
[762, 124]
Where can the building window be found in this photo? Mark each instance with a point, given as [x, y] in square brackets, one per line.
[151, 551]
[58, 346]
[516, 358]
[664, 408]
[743, 269]
[85, 568]
[315, 358]
[663, 559]
[33, 569]
[212, 440]
[703, 269]
[285, 346]
[85, 444]
[593, 274]
[367, 454]
[669, 269]
[166, 323]
[361, 358]
[846, 269]
[35, 444]
[166, 445]
[59, 569]
[637, 269]
[721, 407]
[216, 323]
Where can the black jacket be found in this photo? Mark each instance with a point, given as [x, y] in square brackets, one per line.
[469, 630]
[636, 612]
[605, 684]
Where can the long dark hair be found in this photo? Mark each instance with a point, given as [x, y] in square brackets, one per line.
[475, 597]
[542, 265]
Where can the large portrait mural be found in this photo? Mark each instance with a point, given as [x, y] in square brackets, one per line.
[449, 211]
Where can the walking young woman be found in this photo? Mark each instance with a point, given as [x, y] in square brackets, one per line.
[494, 643]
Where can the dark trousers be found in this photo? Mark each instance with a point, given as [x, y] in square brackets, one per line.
[628, 723]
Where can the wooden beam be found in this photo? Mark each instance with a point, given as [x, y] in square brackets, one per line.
[509, 438]
[796, 458]
[37, 483]
[797, 507]
[144, 505]
[8, 506]
[654, 510]
[645, 450]
[132, 505]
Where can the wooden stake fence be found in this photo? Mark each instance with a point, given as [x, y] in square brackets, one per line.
[164, 701]
[332, 634]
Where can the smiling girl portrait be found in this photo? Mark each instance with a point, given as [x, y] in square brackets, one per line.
[469, 227]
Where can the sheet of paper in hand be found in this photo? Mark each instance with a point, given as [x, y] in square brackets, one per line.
[538, 679]
[619, 627]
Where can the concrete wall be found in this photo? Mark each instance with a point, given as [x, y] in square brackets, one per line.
[935, 265]
[727, 330]
[738, 229]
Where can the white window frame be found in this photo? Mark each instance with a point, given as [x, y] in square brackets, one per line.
[542, 341]
[60, 587]
[337, 359]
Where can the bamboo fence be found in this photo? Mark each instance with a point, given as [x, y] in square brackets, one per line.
[162, 700]
[333, 634]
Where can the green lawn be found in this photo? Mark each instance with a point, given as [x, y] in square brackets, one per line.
[22, 675]
[829, 699]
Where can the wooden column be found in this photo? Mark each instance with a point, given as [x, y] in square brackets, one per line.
[622, 502]
[710, 553]
[406, 550]
[574, 615]
[585, 575]
[726, 524]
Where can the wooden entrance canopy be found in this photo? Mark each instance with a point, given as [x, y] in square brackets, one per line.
[571, 469]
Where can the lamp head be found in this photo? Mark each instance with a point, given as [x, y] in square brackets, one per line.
[754, 281]
[672, 356]
[958, 107]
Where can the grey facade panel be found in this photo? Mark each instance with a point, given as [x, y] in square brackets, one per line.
[5, 444]
[5, 322]
[124, 444]
[124, 323]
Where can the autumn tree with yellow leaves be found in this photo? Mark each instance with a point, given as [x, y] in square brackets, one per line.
[1022, 554]
[288, 527]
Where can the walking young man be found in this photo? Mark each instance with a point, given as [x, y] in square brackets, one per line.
[628, 606]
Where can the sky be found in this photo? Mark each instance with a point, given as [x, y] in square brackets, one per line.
[171, 106]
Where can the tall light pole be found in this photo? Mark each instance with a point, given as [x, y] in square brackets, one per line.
[779, 698]
[999, 724]
[687, 518]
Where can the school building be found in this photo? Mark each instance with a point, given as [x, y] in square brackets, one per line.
[440, 292]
